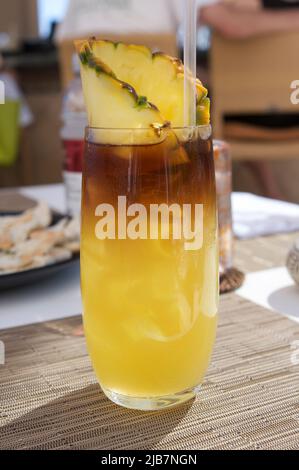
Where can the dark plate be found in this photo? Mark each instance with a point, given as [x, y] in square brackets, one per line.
[33, 276]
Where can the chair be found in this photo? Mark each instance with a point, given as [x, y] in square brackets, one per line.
[254, 76]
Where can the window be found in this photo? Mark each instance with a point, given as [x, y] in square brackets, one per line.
[49, 11]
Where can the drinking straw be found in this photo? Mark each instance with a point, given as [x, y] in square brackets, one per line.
[190, 42]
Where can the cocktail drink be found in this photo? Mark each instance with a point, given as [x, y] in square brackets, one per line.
[149, 255]
[150, 290]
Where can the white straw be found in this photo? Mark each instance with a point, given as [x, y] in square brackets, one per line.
[190, 42]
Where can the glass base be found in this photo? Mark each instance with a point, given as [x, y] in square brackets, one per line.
[151, 404]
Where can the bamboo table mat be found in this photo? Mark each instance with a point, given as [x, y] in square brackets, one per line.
[50, 398]
[264, 252]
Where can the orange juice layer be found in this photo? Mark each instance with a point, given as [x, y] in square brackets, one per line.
[150, 312]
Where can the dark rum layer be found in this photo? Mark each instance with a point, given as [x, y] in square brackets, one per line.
[149, 174]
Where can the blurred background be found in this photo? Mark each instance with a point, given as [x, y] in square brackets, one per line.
[246, 58]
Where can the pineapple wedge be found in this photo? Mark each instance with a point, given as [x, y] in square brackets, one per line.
[114, 104]
[157, 76]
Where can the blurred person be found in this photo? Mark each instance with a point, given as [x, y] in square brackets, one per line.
[244, 19]
[122, 16]
[119, 17]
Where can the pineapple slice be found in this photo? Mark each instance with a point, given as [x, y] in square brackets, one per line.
[157, 76]
[114, 104]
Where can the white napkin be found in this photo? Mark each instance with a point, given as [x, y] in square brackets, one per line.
[255, 216]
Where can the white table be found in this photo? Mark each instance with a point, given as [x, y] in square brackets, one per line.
[59, 296]
[53, 194]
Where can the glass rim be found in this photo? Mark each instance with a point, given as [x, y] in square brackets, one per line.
[142, 129]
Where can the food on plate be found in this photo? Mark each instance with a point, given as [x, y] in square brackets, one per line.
[29, 241]
[16, 229]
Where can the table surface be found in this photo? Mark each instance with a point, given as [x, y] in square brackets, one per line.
[50, 398]
[53, 298]
[59, 296]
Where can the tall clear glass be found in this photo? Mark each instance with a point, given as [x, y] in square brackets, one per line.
[149, 262]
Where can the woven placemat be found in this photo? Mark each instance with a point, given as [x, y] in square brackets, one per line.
[231, 280]
[50, 398]
[263, 253]
[255, 255]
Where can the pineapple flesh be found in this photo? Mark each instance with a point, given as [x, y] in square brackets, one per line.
[128, 87]
[157, 76]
